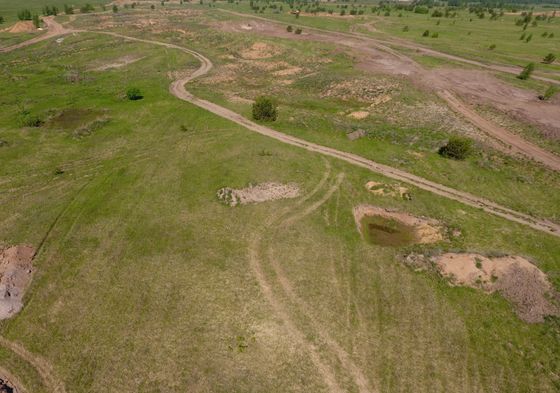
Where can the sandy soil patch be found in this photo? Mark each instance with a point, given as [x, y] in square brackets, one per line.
[361, 90]
[517, 279]
[23, 26]
[258, 193]
[288, 71]
[260, 50]
[15, 274]
[422, 230]
[119, 63]
[356, 134]
[358, 115]
[392, 190]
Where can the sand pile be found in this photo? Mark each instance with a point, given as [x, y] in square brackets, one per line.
[258, 193]
[23, 26]
[514, 277]
[15, 274]
[392, 190]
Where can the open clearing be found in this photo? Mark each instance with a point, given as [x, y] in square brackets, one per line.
[143, 278]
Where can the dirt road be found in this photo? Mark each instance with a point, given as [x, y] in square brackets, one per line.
[398, 42]
[177, 88]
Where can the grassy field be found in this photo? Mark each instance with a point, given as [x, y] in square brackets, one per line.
[464, 35]
[146, 282]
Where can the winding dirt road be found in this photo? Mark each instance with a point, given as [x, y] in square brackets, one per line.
[449, 84]
[177, 88]
[54, 29]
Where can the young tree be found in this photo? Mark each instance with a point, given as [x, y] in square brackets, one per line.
[115, 8]
[265, 109]
[68, 9]
[24, 15]
[548, 93]
[457, 148]
[527, 71]
[36, 21]
[134, 94]
[549, 59]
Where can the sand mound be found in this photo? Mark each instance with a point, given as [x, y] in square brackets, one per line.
[359, 115]
[15, 275]
[260, 50]
[259, 193]
[419, 229]
[517, 279]
[392, 190]
[23, 26]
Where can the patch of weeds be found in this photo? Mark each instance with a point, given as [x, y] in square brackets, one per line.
[241, 343]
[29, 120]
[478, 263]
[3, 143]
[264, 153]
[90, 128]
[184, 128]
[134, 94]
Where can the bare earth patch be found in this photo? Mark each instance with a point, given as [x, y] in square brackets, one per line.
[15, 274]
[260, 50]
[359, 115]
[514, 277]
[420, 229]
[392, 190]
[119, 63]
[258, 193]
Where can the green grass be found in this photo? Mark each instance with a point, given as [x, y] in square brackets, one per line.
[144, 282]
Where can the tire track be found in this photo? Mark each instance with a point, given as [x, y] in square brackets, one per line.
[344, 358]
[41, 365]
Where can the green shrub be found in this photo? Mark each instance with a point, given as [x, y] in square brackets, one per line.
[265, 109]
[405, 29]
[68, 9]
[1, 19]
[527, 71]
[29, 120]
[426, 33]
[492, 47]
[24, 15]
[115, 9]
[289, 29]
[548, 93]
[457, 148]
[134, 94]
[36, 21]
[549, 59]
[298, 31]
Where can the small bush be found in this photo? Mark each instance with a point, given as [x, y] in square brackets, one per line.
[134, 94]
[527, 71]
[24, 15]
[68, 9]
[435, 35]
[457, 148]
[298, 31]
[289, 29]
[405, 29]
[492, 47]
[548, 93]
[426, 33]
[28, 120]
[265, 109]
[36, 21]
[115, 9]
[1, 19]
[549, 59]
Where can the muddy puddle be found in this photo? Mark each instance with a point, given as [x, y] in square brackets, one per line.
[387, 232]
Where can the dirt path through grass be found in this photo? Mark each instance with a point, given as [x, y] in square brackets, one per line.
[177, 88]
